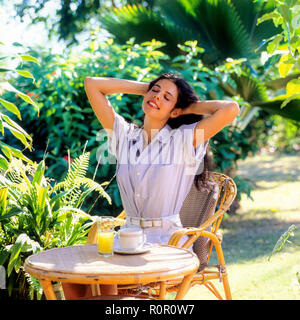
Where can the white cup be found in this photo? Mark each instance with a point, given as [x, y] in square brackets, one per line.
[131, 239]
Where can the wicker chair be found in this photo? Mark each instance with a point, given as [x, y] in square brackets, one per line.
[201, 215]
[203, 233]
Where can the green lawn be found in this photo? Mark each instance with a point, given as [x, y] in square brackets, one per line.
[250, 236]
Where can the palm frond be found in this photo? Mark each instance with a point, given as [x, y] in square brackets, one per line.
[290, 111]
[145, 24]
[249, 87]
[223, 28]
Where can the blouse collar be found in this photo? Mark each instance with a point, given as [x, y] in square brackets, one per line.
[163, 135]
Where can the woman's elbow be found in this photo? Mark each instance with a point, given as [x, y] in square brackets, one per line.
[234, 108]
[87, 80]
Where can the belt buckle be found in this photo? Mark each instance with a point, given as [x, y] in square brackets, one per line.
[156, 223]
[145, 223]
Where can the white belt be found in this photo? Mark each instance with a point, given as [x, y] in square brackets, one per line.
[149, 223]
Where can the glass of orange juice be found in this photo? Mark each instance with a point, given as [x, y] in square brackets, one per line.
[105, 236]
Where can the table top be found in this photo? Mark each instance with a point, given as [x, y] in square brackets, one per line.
[82, 264]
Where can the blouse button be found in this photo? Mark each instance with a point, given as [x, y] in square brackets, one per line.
[138, 174]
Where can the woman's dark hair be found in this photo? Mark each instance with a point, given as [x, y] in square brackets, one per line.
[186, 96]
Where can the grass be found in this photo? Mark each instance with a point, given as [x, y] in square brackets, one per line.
[250, 235]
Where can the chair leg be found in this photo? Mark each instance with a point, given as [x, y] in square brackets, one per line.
[223, 272]
[226, 286]
[213, 289]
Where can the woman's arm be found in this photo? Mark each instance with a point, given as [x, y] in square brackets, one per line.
[220, 114]
[96, 90]
[207, 107]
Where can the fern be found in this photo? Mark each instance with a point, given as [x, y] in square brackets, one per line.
[34, 286]
[79, 185]
[77, 170]
[91, 186]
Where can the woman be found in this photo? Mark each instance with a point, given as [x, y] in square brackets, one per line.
[157, 164]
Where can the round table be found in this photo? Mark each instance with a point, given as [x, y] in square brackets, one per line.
[82, 264]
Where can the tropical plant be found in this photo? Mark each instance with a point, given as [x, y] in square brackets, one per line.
[36, 215]
[225, 29]
[221, 27]
[286, 14]
[11, 64]
[283, 240]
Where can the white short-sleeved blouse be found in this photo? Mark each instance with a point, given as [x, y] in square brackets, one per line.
[154, 180]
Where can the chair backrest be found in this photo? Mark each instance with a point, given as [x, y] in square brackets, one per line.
[202, 204]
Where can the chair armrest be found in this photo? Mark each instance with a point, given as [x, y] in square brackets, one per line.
[194, 234]
[213, 218]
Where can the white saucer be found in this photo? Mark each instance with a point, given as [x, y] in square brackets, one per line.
[144, 249]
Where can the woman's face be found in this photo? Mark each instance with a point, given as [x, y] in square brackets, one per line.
[160, 100]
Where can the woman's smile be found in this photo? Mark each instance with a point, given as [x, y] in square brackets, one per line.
[152, 104]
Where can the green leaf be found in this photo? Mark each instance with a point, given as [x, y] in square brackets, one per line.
[293, 87]
[11, 212]
[3, 199]
[4, 253]
[66, 210]
[29, 58]
[289, 99]
[15, 251]
[59, 195]
[283, 239]
[283, 67]
[10, 151]
[29, 100]
[3, 163]
[19, 135]
[41, 197]
[273, 45]
[11, 107]
[39, 173]
[1, 126]
[275, 16]
[25, 74]
[8, 87]
[15, 126]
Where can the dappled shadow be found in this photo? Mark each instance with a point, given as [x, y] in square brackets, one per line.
[249, 239]
[251, 235]
[279, 168]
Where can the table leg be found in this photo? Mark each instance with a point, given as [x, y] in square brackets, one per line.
[184, 286]
[163, 290]
[48, 289]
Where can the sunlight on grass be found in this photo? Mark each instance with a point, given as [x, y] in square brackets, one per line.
[259, 280]
[250, 236]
